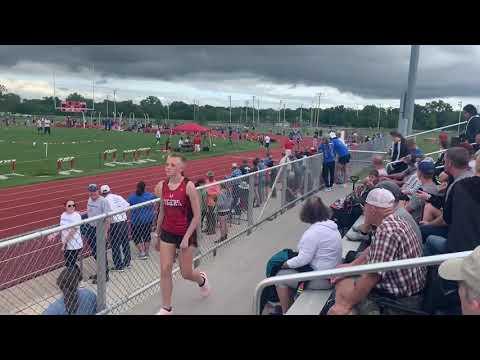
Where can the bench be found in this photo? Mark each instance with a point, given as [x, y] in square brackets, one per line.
[311, 302]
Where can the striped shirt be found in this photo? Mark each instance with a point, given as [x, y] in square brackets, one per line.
[396, 240]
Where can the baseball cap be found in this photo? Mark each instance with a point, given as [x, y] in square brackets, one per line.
[466, 269]
[332, 135]
[426, 167]
[105, 189]
[92, 187]
[210, 173]
[381, 198]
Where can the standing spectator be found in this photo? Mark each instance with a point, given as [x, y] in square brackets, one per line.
[39, 127]
[74, 301]
[289, 145]
[158, 135]
[142, 220]
[46, 128]
[394, 240]
[72, 243]
[320, 247]
[473, 124]
[341, 150]
[96, 205]
[42, 122]
[118, 230]
[267, 143]
[328, 168]
[467, 272]
[224, 208]
[213, 190]
[197, 141]
[399, 151]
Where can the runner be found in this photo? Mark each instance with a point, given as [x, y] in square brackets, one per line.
[157, 136]
[177, 223]
[267, 144]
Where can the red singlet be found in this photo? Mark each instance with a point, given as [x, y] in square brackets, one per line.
[177, 209]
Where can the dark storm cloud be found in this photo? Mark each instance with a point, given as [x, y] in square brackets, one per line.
[368, 71]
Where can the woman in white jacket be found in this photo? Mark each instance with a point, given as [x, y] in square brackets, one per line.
[320, 247]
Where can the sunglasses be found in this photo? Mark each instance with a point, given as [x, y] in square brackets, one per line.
[71, 205]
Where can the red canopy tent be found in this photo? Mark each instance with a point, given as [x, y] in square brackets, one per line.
[190, 128]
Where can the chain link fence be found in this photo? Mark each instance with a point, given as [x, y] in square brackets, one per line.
[113, 258]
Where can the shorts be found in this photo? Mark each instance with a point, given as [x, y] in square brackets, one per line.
[318, 284]
[177, 239]
[344, 159]
[267, 145]
[141, 233]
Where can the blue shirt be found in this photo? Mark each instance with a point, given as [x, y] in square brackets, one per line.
[339, 147]
[143, 215]
[87, 304]
[328, 152]
[236, 172]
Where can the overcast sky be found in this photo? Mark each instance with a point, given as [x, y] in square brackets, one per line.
[350, 75]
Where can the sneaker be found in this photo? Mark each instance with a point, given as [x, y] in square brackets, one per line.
[357, 235]
[205, 289]
[164, 311]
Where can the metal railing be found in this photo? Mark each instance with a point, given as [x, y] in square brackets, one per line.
[436, 129]
[353, 270]
[231, 208]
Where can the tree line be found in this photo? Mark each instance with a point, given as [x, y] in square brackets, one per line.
[432, 114]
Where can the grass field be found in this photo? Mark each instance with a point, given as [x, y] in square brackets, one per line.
[86, 145]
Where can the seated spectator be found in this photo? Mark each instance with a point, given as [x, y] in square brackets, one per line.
[377, 163]
[320, 247]
[362, 232]
[74, 301]
[467, 272]
[425, 173]
[413, 150]
[459, 225]
[440, 163]
[476, 145]
[399, 150]
[394, 240]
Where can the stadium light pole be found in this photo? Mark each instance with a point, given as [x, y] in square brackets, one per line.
[115, 103]
[258, 111]
[459, 116]
[378, 122]
[284, 123]
[409, 104]
[253, 110]
[230, 101]
[301, 108]
[107, 105]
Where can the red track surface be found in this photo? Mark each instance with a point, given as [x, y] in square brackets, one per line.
[31, 207]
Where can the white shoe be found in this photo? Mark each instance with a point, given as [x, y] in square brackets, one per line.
[164, 311]
[205, 289]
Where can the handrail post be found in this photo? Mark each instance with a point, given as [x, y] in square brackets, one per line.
[101, 245]
[283, 179]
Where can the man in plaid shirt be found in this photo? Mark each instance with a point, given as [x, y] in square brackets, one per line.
[394, 240]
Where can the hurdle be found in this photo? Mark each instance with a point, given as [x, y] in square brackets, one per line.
[126, 154]
[12, 166]
[70, 160]
[113, 154]
[144, 152]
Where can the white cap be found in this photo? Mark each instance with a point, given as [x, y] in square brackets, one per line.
[332, 135]
[104, 189]
[381, 198]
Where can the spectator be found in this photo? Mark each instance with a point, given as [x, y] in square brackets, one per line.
[289, 145]
[467, 272]
[96, 205]
[39, 127]
[440, 163]
[245, 169]
[74, 301]
[412, 183]
[458, 229]
[213, 190]
[46, 126]
[473, 124]
[320, 247]
[142, 220]
[361, 232]
[118, 230]
[415, 152]
[224, 208]
[399, 151]
[158, 135]
[476, 146]
[72, 243]
[394, 240]
[256, 180]
[426, 170]
[328, 168]
[197, 141]
[377, 163]
[236, 171]
[180, 143]
[341, 150]
[267, 143]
